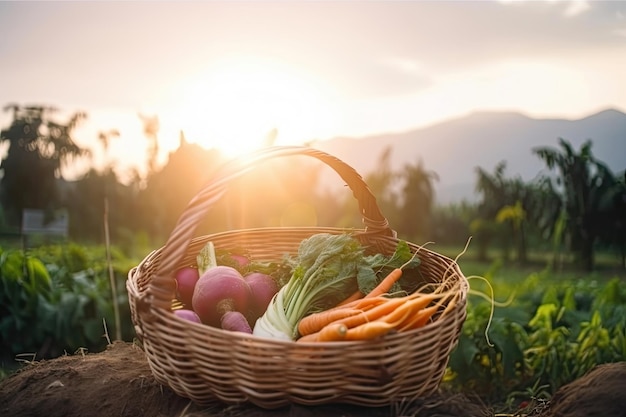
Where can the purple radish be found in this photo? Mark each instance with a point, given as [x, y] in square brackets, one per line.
[263, 288]
[236, 322]
[186, 279]
[220, 290]
[187, 315]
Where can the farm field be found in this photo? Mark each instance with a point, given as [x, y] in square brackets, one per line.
[548, 330]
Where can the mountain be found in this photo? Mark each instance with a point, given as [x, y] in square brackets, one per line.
[455, 148]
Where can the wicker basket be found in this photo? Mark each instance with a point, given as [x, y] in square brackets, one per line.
[209, 365]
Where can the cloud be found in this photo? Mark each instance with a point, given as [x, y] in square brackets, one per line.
[363, 50]
[572, 7]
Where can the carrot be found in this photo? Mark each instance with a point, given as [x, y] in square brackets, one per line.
[379, 327]
[366, 303]
[357, 295]
[385, 285]
[391, 278]
[330, 332]
[373, 313]
[421, 318]
[368, 331]
[317, 321]
[407, 310]
[349, 317]
[399, 314]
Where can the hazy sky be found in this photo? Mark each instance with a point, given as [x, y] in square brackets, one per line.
[227, 72]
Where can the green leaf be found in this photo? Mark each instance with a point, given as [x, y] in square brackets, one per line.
[502, 335]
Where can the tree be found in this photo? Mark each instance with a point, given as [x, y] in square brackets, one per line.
[151, 127]
[38, 149]
[419, 196]
[584, 182]
[505, 201]
[382, 182]
[612, 220]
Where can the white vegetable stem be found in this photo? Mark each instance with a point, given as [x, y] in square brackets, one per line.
[325, 274]
[206, 258]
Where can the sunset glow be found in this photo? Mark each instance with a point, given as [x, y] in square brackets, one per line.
[228, 74]
[235, 105]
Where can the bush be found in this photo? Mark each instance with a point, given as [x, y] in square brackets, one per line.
[56, 299]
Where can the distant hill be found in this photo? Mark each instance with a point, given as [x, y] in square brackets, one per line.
[453, 149]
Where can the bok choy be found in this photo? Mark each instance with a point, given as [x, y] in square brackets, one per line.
[327, 269]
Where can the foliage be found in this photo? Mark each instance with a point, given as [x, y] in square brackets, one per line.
[552, 333]
[38, 148]
[419, 196]
[54, 299]
[585, 182]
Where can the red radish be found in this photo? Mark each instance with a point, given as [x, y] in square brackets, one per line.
[236, 322]
[187, 315]
[263, 288]
[186, 279]
[219, 290]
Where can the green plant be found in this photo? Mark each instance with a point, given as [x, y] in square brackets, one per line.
[552, 333]
[56, 299]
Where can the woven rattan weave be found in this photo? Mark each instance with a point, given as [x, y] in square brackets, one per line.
[211, 365]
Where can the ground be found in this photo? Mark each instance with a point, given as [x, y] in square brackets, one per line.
[118, 382]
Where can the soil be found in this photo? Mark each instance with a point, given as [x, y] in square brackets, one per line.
[118, 382]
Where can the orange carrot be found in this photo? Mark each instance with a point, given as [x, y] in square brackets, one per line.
[385, 285]
[395, 314]
[349, 316]
[372, 314]
[407, 310]
[317, 321]
[357, 295]
[331, 332]
[313, 337]
[420, 319]
[361, 304]
[368, 331]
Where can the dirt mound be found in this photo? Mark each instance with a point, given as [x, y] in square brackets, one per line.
[601, 393]
[118, 382]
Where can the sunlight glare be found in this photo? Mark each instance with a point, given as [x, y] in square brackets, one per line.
[233, 107]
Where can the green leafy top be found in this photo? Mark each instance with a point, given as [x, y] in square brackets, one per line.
[327, 269]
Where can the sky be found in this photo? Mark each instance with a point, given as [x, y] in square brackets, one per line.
[228, 72]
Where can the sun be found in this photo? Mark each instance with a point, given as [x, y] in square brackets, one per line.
[242, 105]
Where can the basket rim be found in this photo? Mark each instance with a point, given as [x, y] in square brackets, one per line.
[144, 301]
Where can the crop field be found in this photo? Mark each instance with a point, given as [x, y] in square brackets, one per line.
[529, 330]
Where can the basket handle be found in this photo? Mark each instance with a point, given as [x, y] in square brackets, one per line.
[162, 286]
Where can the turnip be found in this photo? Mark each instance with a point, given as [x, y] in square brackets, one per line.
[263, 287]
[186, 279]
[220, 290]
[236, 322]
[187, 315]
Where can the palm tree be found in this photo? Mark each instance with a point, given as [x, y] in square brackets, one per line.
[583, 181]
